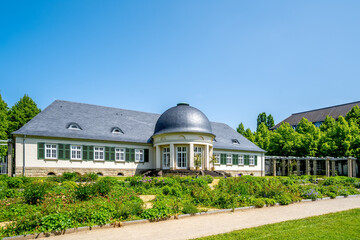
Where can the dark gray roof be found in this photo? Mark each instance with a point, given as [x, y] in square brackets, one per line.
[97, 123]
[182, 118]
[319, 115]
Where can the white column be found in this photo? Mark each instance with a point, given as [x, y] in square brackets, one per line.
[207, 162]
[158, 158]
[191, 157]
[172, 156]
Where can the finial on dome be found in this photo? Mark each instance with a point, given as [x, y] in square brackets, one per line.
[183, 104]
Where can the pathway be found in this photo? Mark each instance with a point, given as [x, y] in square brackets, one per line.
[205, 225]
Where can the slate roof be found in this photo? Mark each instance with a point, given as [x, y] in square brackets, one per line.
[98, 121]
[319, 115]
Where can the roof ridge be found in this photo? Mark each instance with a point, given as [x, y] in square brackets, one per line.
[96, 105]
[326, 108]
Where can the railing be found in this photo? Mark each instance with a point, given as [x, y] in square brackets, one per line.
[3, 165]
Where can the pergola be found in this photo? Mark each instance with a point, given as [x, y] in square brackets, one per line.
[287, 163]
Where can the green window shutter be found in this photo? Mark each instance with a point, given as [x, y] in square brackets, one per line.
[85, 152]
[90, 152]
[223, 159]
[146, 155]
[255, 160]
[112, 154]
[127, 155]
[41, 150]
[132, 154]
[107, 153]
[235, 159]
[67, 151]
[61, 149]
[246, 159]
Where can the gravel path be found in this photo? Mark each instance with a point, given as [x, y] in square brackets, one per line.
[200, 226]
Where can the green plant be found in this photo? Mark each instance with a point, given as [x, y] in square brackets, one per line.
[69, 184]
[14, 182]
[35, 193]
[84, 192]
[189, 208]
[197, 161]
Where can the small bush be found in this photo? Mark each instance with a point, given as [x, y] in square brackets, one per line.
[69, 176]
[259, 202]
[284, 200]
[69, 184]
[35, 193]
[84, 192]
[14, 182]
[189, 208]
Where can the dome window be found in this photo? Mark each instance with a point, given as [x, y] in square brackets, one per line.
[235, 141]
[117, 130]
[74, 126]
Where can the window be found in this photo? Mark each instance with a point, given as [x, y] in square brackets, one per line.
[166, 157]
[139, 155]
[228, 159]
[251, 161]
[74, 126]
[217, 158]
[198, 151]
[241, 159]
[117, 130]
[119, 154]
[50, 151]
[98, 153]
[76, 152]
[181, 157]
[235, 141]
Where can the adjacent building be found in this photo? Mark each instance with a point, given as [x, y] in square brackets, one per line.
[77, 137]
[317, 116]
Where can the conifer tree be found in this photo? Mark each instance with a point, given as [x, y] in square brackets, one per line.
[4, 124]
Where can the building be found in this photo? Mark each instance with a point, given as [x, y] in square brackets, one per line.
[317, 116]
[77, 137]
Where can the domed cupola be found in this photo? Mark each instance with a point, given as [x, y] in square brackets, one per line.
[183, 118]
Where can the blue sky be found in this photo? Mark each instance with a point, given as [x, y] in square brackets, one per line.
[230, 59]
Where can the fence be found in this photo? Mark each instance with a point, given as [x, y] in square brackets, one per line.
[3, 165]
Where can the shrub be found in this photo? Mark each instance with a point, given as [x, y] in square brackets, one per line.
[189, 208]
[89, 177]
[84, 192]
[284, 199]
[55, 222]
[160, 211]
[14, 182]
[269, 201]
[259, 202]
[35, 193]
[128, 209]
[104, 186]
[69, 176]
[69, 184]
[100, 217]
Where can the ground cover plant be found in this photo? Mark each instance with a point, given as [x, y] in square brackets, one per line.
[342, 225]
[29, 205]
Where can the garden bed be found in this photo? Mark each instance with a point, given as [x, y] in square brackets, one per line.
[45, 206]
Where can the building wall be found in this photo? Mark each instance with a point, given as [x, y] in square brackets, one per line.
[41, 167]
[256, 170]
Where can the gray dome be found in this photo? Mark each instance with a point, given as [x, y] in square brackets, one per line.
[183, 118]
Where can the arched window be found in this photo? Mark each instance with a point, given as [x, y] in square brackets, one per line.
[74, 126]
[235, 141]
[117, 130]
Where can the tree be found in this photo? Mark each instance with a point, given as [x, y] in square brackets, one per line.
[263, 136]
[22, 112]
[249, 135]
[354, 115]
[284, 141]
[240, 129]
[309, 136]
[4, 124]
[270, 121]
[261, 119]
[328, 123]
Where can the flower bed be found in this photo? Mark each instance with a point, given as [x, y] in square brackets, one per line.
[57, 203]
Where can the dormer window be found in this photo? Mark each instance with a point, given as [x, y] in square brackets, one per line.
[235, 141]
[117, 130]
[74, 126]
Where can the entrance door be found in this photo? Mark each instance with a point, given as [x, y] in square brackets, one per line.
[181, 157]
[166, 158]
[198, 156]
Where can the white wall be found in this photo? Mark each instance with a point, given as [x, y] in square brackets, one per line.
[31, 159]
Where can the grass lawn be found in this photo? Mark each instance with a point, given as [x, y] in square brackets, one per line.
[342, 225]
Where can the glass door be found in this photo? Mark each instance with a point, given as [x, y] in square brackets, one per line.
[166, 158]
[181, 157]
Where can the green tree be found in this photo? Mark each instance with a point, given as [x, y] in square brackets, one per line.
[284, 141]
[309, 136]
[263, 136]
[249, 135]
[327, 124]
[354, 115]
[336, 139]
[240, 129]
[4, 124]
[22, 112]
[261, 119]
[270, 121]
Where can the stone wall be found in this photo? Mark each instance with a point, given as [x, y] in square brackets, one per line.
[245, 172]
[43, 172]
